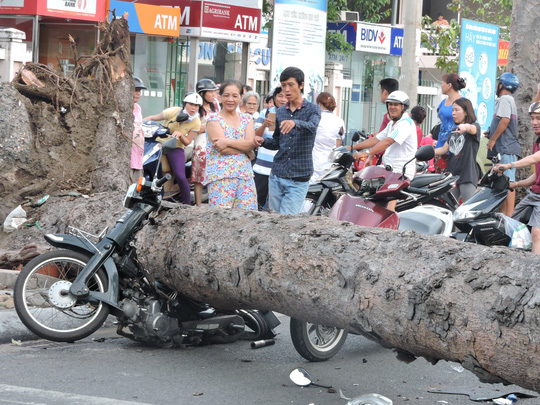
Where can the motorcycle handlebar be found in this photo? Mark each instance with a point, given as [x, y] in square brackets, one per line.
[418, 190]
[163, 180]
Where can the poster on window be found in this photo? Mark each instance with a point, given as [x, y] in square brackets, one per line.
[478, 57]
[299, 40]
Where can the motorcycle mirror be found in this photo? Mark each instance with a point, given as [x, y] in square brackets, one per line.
[182, 117]
[425, 153]
[168, 146]
[356, 136]
[301, 377]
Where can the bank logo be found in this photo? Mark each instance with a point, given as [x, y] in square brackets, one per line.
[381, 37]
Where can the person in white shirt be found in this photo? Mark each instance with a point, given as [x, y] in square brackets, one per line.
[329, 135]
[398, 140]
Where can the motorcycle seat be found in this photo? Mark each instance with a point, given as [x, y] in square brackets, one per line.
[414, 221]
[426, 179]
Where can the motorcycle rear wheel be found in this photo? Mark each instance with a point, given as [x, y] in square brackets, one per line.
[44, 304]
[316, 342]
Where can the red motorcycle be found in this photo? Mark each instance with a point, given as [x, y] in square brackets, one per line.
[378, 185]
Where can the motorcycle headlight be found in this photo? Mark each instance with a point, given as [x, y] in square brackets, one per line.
[130, 196]
[467, 211]
[334, 155]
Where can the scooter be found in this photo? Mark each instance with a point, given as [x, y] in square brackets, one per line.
[479, 221]
[66, 294]
[321, 196]
[376, 186]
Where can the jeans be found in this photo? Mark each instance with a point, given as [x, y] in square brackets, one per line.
[505, 159]
[286, 196]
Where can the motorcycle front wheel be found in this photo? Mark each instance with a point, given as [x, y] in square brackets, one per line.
[316, 342]
[310, 207]
[45, 305]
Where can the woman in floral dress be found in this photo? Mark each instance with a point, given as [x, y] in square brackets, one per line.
[229, 176]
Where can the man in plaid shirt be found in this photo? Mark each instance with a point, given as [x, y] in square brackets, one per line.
[294, 136]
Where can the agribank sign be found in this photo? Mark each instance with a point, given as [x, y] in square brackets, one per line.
[230, 21]
[238, 20]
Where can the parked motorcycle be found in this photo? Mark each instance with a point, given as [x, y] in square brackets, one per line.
[367, 207]
[66, 294]
[425, 188]
[321, 196]
[479, 220]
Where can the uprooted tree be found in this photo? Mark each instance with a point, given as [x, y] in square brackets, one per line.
[76, 133]
[430, 297]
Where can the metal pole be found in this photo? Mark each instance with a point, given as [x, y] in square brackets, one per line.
[394, 12]
[409, 63]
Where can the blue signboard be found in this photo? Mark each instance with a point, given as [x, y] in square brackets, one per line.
[396, 43]
[479, 45]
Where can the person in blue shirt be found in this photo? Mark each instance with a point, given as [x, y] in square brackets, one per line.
[450, 87]
[294, 137]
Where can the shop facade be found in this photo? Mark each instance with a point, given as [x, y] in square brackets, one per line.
[47, 25]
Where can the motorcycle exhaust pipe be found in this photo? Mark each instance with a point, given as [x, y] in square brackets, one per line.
[262, 343]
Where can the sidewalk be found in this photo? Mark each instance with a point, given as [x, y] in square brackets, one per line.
[10, 325]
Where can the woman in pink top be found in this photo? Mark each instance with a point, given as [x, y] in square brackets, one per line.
[137, 146]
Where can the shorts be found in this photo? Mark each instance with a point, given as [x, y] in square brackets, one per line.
[531, 199]
[511, 173]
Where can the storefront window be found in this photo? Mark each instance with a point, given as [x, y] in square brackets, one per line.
[149, 60]
[55, 49]
[365, 110]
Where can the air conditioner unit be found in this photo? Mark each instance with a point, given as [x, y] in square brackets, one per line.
[349, 15]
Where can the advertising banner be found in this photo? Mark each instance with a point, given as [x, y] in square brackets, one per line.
[504, 49]
[299, 40]
[478, 66]
[147, 19]
[230, 22]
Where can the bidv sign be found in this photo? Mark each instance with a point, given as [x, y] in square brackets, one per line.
[373, 38]
[379, 39]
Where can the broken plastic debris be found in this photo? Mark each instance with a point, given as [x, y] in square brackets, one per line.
[367, 399]
[41, 201]
[509, 400]
[458, 368]
[16, 218]
[16, 342]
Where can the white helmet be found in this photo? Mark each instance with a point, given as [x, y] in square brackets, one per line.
[399, 96]
[193, 98]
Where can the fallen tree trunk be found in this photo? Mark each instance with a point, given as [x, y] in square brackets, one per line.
[428, 296]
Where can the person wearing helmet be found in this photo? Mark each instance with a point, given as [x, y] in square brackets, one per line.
[533, 197]
[398, 141]
[503, 134]
[137, 145]
[184, 132]
[207, 89]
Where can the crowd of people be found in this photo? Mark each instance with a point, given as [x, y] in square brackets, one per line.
[266, 160]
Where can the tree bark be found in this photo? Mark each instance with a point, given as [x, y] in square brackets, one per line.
[524, 61]
[426, 295]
